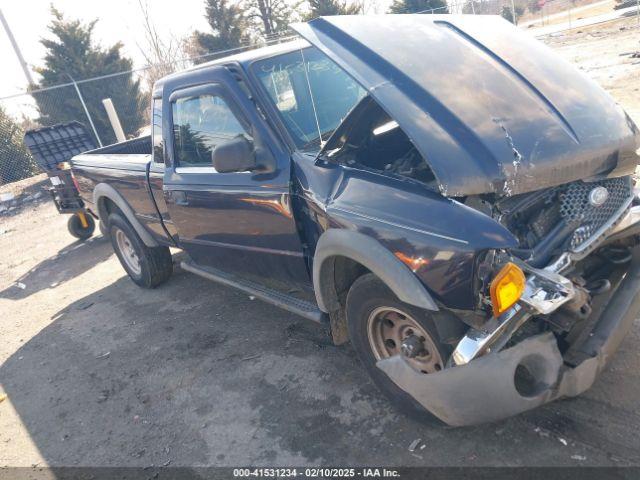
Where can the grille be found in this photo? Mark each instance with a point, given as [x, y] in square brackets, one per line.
[588, 219]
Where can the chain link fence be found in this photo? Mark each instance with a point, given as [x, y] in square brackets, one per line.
[81, 99]
[81, 102]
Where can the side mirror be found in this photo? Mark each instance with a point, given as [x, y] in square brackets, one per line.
[236, 155]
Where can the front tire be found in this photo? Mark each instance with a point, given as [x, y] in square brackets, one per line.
[380, 326]
[148, 267]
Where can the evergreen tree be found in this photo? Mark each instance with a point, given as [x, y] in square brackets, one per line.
[229, 26]
[507, 13]
[326, 8]
[15, 161]
[72, 53]
[419, 6]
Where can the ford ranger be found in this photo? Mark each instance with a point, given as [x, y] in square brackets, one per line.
[448, 195]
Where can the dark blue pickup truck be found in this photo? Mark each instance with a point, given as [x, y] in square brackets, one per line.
[447, 194]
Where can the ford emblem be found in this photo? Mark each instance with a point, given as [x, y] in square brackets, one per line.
[598, 196]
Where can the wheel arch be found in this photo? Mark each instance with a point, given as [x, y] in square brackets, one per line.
[104, 195]
[332, 274]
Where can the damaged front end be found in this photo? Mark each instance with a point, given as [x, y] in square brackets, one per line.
[534, 145]
[579, 296]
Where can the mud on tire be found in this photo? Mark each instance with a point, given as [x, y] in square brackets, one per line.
[148, 267]
[367, 295]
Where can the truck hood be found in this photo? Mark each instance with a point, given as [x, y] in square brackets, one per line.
[491, 109]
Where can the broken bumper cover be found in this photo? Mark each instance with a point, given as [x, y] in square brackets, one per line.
[486, 389]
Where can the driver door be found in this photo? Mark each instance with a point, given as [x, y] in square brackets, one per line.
[240, 222]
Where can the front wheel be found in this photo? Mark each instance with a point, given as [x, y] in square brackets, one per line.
[147, 266]
[381, 326]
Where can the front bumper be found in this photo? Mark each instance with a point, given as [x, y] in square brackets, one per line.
[486, 389]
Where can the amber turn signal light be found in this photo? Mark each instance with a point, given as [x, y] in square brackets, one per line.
[506, 288]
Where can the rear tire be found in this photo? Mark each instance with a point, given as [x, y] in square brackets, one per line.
[148, 267]
[369, 297]
[103, 229]
[74, 225]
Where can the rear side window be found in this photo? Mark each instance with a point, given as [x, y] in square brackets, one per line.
[158, 143]
[200, 124]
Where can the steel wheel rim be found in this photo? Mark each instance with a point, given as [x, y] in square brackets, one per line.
[128, 252]
[388, 327]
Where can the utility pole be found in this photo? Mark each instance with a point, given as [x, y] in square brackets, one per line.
[24, 65]
[513, 12]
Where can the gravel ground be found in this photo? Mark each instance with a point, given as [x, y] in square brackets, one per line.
[610, 54]
[98, 372]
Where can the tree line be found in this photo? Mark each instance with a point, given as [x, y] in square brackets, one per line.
[234, 24]
[72, 54]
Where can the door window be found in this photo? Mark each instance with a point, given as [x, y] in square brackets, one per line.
[200, 124]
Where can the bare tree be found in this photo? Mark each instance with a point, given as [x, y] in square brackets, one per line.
[273, 16]
[163, 55]
[371, 7]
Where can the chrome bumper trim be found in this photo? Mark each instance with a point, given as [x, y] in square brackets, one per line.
[545, 292]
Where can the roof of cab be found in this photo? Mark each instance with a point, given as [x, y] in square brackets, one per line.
[244, 58]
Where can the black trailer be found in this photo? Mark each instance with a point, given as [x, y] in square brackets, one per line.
[52, 148]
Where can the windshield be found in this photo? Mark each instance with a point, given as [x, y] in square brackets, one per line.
[313, 103]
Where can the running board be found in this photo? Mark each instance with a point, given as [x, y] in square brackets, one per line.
[287, 302]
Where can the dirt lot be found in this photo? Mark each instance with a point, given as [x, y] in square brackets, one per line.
[610, 54]
[563, 11]
[99, 372]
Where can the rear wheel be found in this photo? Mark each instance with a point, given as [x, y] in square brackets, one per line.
[147, 266]
[381, 326]
[77, 229]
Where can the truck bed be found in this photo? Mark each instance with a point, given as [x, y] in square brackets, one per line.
[131, 155]
[122, 166]
[140, 145]
[111, 161]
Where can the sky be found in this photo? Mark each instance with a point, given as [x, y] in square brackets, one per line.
[118, 20]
